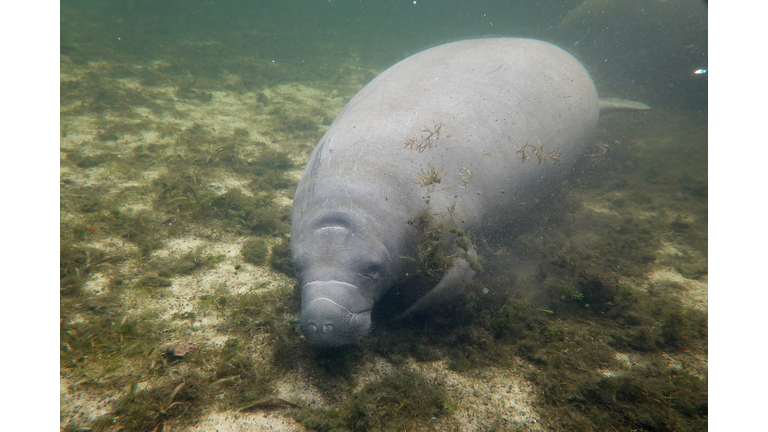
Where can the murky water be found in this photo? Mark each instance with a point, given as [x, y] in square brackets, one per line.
[184, 130]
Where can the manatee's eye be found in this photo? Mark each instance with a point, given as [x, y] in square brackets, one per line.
[371, 271]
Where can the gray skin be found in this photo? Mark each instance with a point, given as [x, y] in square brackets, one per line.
[498, 120]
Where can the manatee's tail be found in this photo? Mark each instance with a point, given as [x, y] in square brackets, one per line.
[608, 105]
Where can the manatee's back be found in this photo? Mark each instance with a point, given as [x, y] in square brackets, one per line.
[475, 125]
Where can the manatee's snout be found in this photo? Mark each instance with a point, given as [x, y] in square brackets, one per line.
[330, 321]
[326, 323]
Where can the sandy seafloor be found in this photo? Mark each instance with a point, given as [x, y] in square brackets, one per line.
[646, 181]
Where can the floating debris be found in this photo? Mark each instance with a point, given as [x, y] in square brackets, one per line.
[180, 351]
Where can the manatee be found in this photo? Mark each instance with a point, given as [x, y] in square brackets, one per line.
[451, 143]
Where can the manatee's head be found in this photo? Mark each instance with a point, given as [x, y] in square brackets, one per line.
[333, 313]
[344, 268]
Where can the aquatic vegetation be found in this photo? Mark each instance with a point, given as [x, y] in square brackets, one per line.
[150, 283]
[140, 410]
[528, 151]
[92, 161]
[255, 251]
[258, 214]
[430, 257]
[398, 401]
[281, 260]
[155, 185]
[427, 138]
[301, 124]
[433, 253]
[573, 293]
[271, 160]
[431, 176]
[187, 263]
[76, 264]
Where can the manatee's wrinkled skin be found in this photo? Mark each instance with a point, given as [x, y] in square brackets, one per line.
[498, 120]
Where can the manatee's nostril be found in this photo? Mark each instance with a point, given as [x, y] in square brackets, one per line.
[312, 328]
[327, 328]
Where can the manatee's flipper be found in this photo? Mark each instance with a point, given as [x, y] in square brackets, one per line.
[453, 283]
[607, 105]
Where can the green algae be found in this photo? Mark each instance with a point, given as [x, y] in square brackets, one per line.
[255, 251]
[398, 401]
[438, 244]
[77, 263]
[110, 350]
[187, 264]
[106, 349]
[281, 260]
